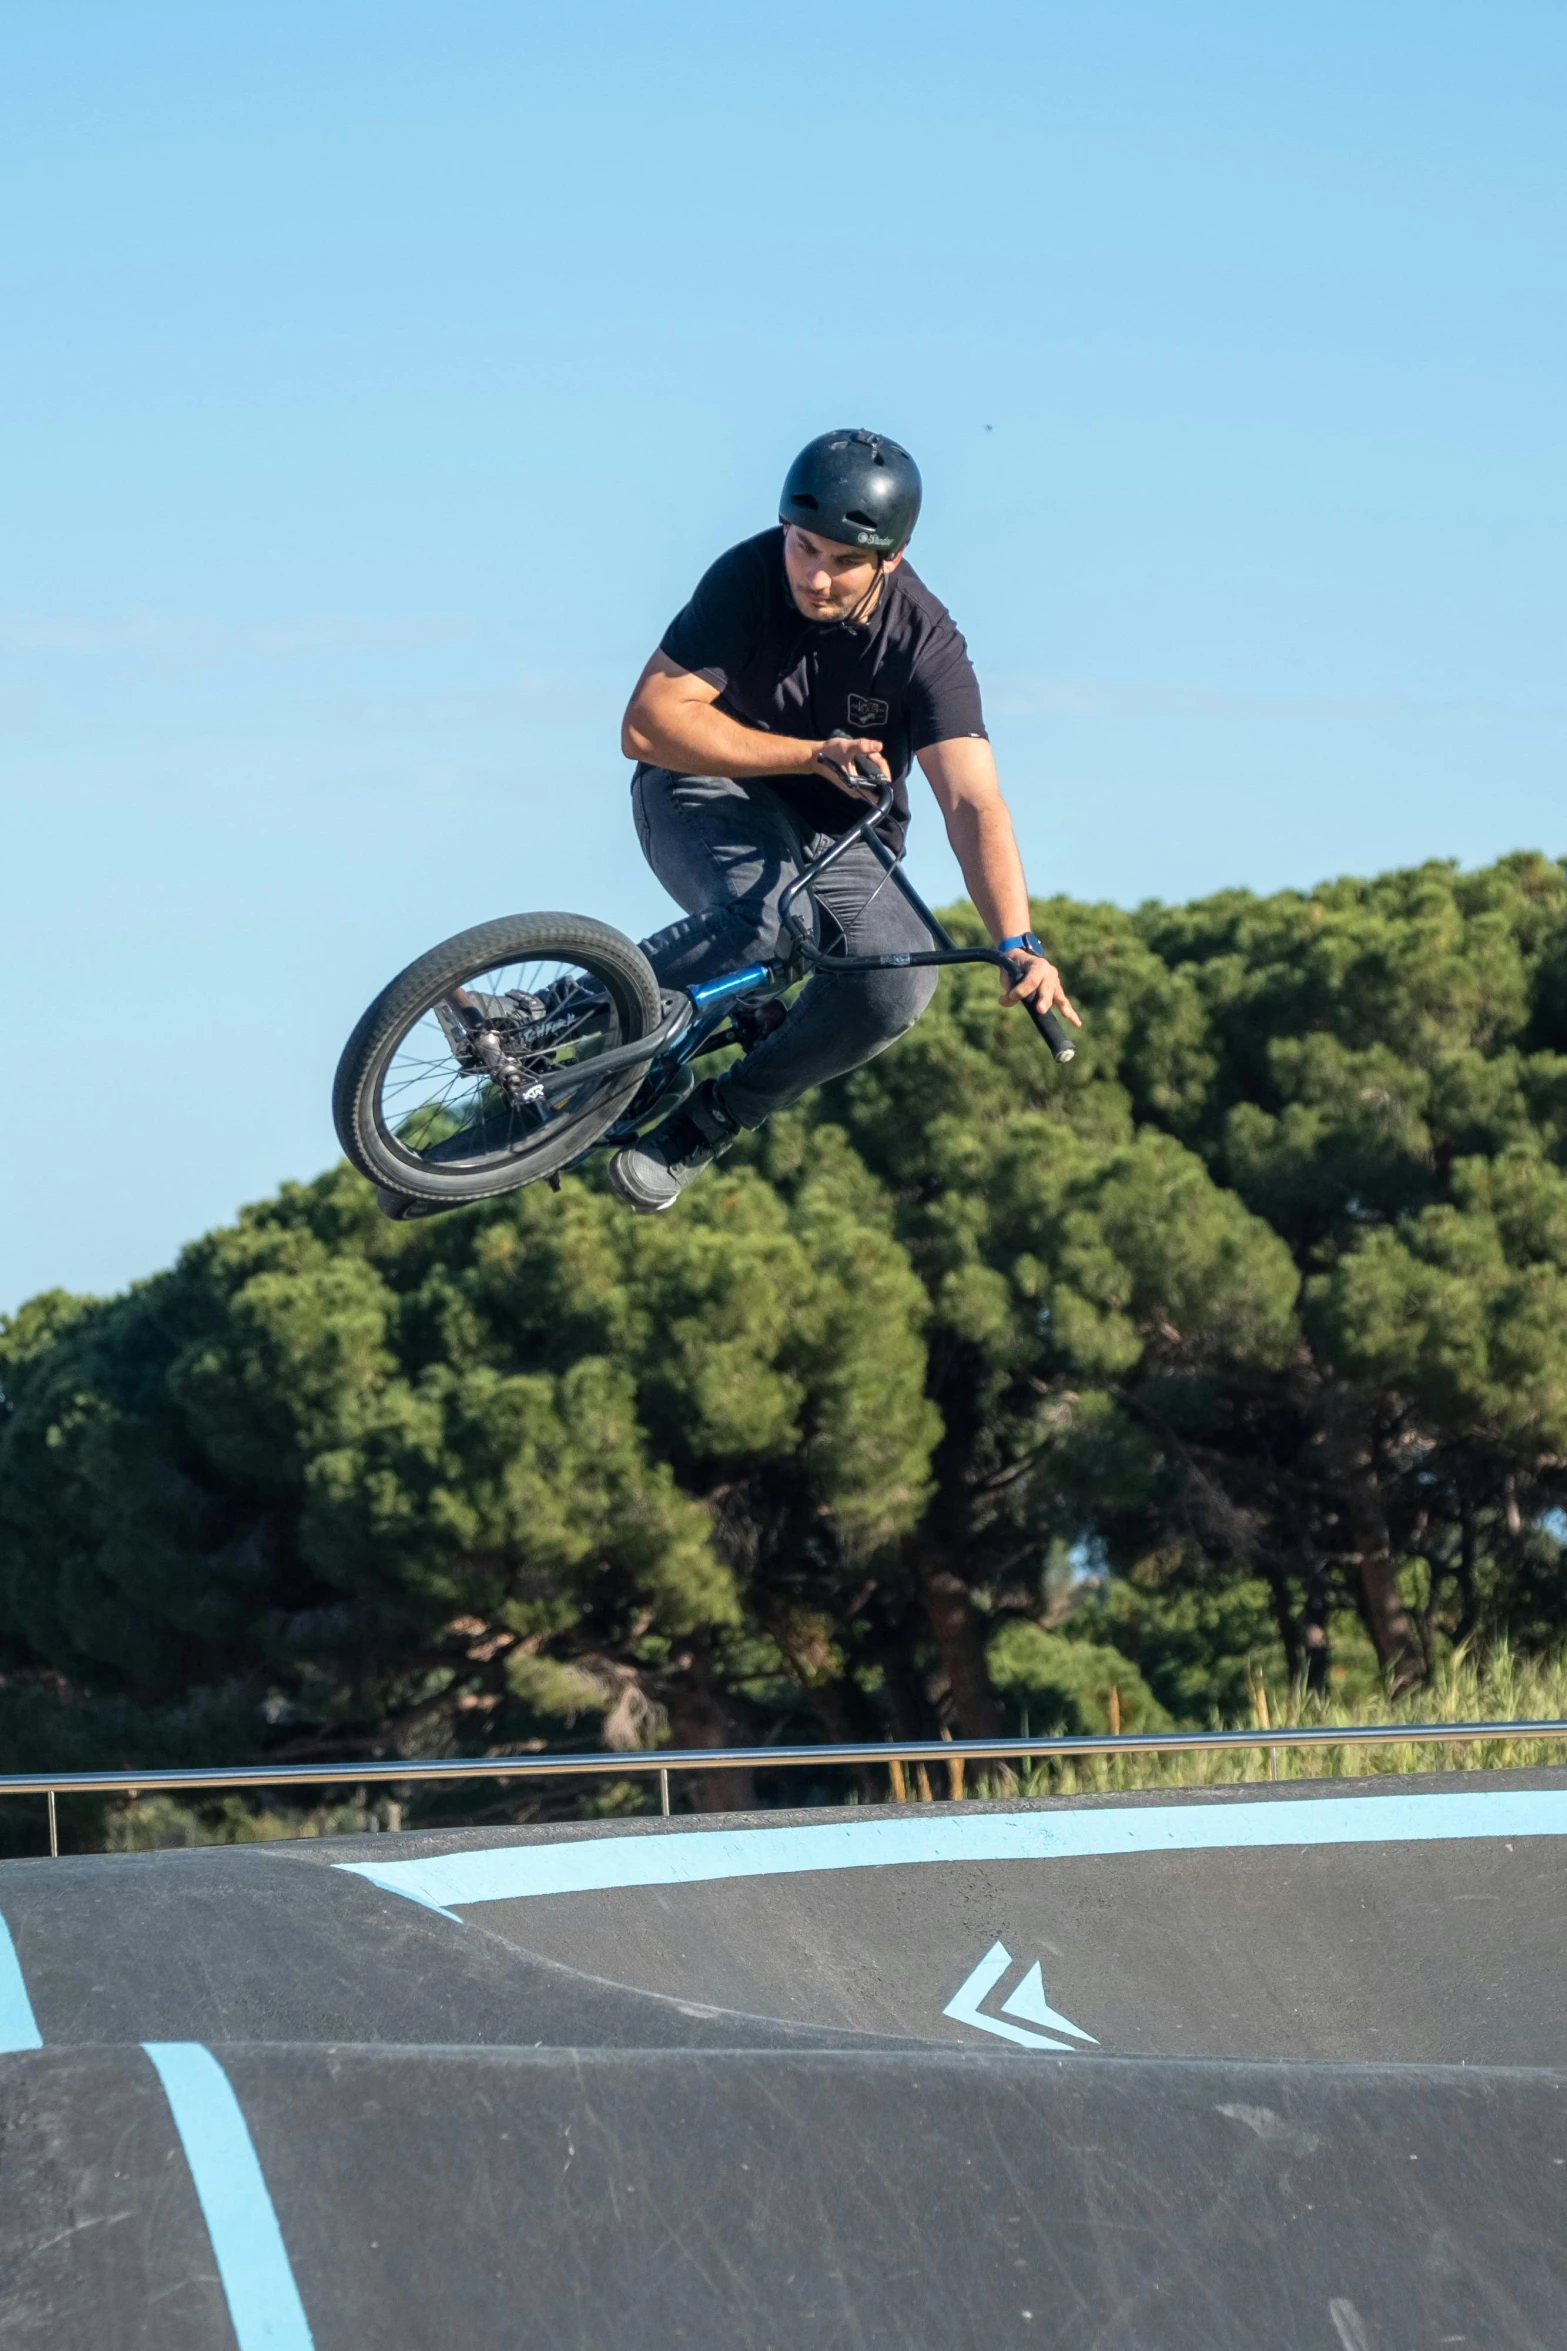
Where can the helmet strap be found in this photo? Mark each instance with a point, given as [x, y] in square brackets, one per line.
[867, 603]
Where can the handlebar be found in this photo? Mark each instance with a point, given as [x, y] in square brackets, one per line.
[1053, 1031]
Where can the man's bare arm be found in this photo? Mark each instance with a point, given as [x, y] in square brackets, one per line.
[962, 775]
[671, 722]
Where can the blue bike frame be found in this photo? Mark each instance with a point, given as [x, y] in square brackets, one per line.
[695, 1015]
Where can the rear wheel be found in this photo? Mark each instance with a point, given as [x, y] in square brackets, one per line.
[452, 1086]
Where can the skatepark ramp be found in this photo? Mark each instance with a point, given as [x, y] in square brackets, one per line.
[1271, 2066]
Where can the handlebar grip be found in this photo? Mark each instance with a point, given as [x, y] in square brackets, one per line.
[1054, 1034]
[859, 766]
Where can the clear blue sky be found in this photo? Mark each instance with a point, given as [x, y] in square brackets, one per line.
[378, 375]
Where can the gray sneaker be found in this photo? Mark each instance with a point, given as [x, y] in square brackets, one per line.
[651, 1173]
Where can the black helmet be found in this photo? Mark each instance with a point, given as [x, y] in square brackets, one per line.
[856, 488]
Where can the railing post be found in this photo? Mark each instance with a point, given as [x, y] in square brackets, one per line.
[663, 1790]
[54, 1828]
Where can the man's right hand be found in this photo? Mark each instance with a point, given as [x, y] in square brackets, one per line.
[833, 758]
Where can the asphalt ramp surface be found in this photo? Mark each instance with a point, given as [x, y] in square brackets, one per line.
[1262, 2067]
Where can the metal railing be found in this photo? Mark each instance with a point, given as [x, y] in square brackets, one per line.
[892, 1754]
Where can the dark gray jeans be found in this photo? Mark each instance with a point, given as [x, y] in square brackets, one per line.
[726, 852]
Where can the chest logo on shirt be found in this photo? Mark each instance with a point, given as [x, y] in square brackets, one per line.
[865, 710]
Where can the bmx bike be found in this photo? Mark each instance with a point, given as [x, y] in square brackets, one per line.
[517, 1048]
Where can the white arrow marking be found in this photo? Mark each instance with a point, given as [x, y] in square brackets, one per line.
[1029, 2000]
[964, 2004]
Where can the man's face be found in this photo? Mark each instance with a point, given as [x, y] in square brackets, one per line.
[826, 579]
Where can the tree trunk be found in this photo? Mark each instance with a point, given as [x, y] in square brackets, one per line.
[1469, 1608]
[1284, 1618]
[958, 1375]
[1387, 1620]
[1315, 1640]
[1318, 1657]
[890, 1646]
[961, 1648]
[837, 1705]
[697, 1719]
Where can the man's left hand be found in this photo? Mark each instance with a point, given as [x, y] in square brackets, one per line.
[1038, 983]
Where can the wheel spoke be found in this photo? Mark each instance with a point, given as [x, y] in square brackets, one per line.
[430, 1103]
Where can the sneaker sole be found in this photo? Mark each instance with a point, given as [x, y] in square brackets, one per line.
[625, 1189]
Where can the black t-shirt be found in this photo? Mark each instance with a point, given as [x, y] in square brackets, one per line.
[903, 676]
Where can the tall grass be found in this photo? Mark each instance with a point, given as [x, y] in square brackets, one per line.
[1500, 1687]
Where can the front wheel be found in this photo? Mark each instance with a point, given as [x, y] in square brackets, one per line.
[453, 1085]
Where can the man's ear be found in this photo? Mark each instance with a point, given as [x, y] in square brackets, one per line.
[891, 562]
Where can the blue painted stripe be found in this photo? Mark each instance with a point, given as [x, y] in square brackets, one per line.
[18, 2025]
[684, 1857]
[252, 2259]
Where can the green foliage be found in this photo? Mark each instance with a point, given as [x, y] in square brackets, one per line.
[1265, 1292]
[1204, 1640]
[1462, 1306]
[1063, 1686]
[376, 1488]
[1259, 1311]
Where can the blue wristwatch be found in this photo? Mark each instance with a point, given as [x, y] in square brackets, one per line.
[1029, 941]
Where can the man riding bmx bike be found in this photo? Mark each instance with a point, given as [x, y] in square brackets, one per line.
[810, 657]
